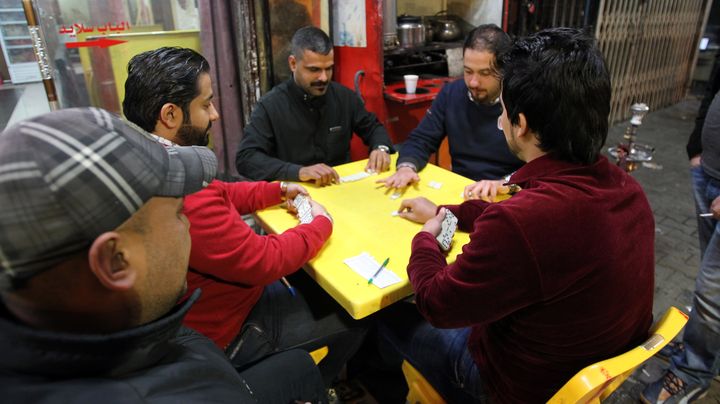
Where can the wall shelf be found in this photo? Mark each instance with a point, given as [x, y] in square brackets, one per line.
[19, 56]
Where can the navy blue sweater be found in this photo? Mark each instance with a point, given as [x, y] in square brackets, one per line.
[477, 147]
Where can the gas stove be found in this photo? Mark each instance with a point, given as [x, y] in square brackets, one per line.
[429, 60]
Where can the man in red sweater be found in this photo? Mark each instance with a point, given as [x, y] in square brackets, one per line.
[244, 307]
[555, 278]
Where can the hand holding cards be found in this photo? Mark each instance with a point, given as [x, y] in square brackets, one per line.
[304, 211]
[447, 230]
[307, 210]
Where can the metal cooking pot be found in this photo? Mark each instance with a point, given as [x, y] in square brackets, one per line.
[410, 31]
[447, 30]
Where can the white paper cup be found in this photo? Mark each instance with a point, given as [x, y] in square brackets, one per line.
[410, 83]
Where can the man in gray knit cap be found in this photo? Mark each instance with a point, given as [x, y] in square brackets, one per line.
[94, 251]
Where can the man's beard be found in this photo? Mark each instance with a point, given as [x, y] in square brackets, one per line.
[190, 135]
[483, 98]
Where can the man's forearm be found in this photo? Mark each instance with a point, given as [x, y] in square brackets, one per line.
[258, 166]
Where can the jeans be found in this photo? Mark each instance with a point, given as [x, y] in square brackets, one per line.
[309, 320]
[700, 361]
[285, 378]
[440, 355]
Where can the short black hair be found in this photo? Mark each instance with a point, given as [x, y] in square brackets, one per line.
[159, 76]
[489, 38]
[310, 38]
[558, 79]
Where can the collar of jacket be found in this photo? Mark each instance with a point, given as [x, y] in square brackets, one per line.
[547, 165]
[307, 99]
[163, 141]
[56, 354]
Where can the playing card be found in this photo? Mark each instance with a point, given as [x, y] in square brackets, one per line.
[355, 177]
[304, 211]
[448, 226]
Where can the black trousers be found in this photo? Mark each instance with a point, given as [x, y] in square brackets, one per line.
[309, 320]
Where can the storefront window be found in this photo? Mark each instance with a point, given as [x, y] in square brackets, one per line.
[89, 42]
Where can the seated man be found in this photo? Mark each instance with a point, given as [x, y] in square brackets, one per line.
[93, 254]
[169, 92]
[304, 125]
[533, 298]
[466, 111]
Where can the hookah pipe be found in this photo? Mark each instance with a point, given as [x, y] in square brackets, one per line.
[624, 151]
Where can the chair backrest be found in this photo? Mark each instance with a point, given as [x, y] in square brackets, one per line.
[599, 380]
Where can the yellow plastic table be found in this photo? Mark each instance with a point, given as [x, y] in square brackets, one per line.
[363, 222]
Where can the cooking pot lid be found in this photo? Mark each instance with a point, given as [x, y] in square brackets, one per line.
[408, 18]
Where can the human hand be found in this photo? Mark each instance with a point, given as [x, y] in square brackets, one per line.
[318, 210]
[695, 161]
[403, 177]
[291, 192]
[487, 190]
[379, 161]
[418, 210]
[434, 224]
[322, 174]
[294, 190]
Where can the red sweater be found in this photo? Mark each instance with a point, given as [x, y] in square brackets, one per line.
[231, 263]
[555, 278]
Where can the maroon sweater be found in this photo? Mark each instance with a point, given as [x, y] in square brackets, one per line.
[555, 278]
[231, 263]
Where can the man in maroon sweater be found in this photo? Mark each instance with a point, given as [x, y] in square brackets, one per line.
[559, 276]
[244, 307]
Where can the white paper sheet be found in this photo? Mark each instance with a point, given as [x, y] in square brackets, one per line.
[366, 266]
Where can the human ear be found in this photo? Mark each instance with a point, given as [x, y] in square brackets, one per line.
[109, 262]
[292, 61]
[522, 127]
[170, 115]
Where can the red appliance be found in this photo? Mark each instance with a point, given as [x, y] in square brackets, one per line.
[367, 69]
[367, 64]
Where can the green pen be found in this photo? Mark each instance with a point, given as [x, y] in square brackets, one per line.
[379, 269]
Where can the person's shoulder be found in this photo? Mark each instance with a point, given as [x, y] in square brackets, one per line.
[453, 91]
[280, 91]
[200, 198]
[455, 87]
[340, 89]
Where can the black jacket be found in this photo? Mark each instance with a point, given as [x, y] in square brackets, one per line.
[289, 129]
[160, 362]
[694, 145]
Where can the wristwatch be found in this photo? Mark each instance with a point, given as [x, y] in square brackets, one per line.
[283, 189]
[406, 164]
[383, 148]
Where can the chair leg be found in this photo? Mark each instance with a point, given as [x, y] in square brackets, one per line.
[420, 390]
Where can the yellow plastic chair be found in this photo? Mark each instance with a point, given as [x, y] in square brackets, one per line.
[319, 354]
[421, 392]
[597, 381]
[592, 384]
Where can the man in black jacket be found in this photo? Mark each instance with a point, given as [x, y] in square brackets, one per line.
[303, 126]
[94, 250]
